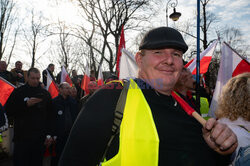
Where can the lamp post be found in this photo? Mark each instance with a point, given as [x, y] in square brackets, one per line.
[175, 15]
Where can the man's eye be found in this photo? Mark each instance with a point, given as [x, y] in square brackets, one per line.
[177, 54]
[157, 52]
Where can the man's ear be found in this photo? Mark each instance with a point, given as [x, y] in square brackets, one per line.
[138, 59]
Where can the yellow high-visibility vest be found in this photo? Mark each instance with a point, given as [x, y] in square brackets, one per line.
[204, 107]
[139, 141]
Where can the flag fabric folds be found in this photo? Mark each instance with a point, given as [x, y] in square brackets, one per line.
[51, 86]
[128, 66]
[231, 64]
[86, 80]
[205, 58]
[5, 90]
[100, 77]
[65, 77]
[119, 52]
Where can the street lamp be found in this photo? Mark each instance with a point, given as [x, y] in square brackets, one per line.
[175, 15]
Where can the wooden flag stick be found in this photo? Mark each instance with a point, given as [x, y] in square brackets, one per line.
[199, 118]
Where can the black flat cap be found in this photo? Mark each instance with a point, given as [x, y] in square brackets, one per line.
[163, 37]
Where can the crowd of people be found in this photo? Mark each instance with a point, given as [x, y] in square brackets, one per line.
[129, 122]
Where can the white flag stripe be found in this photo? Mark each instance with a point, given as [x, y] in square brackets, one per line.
[228, 62]
[207, 52]
[63, 75]
[49, 80]
[128, 66]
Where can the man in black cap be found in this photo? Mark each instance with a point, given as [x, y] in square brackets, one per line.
[155, 129]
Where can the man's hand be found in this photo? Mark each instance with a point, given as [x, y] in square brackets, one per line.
[19, 75]
[219, 137]
[33, 100]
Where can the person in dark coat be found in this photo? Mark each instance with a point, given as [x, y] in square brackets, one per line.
[19, 74]
[31, 108]
[50, 69]
[65, 111]
[4, 73]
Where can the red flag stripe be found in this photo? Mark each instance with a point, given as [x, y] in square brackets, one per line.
[242, 67]
[53, 90]
[119, 53]
[204, 63]
[5, 90]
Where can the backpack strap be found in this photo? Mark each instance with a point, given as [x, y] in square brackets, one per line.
[117, 117]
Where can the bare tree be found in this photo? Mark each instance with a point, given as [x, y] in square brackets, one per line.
[105, 19]
[35, 35]
[7, 19]
[233, 36]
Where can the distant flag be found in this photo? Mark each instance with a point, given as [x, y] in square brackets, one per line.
[5, 90]
[128, 66]
[205, 58]
[231, 64]
[51, 86]
[100, 77]
[119, 53]
[86, 80]
[65, 77]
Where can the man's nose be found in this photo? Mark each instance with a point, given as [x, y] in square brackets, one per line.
[168, 58]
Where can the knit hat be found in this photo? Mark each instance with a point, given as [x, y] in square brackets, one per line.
[163, 37]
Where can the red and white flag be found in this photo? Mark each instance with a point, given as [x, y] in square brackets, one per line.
[231, 64]
[100, 77]
[205, 58]
[119, 53]
[6, 89]
[128, 66]
[65, 77]
[86, 80]
[51, 86]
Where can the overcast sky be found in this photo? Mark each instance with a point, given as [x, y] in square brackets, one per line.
[232, 13]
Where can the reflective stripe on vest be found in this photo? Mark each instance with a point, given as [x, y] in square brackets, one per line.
[139, 141]
[204, 108]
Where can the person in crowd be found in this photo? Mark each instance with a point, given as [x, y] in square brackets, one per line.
[31, 108]
[92, 75]
[50, 69]
[155, 129]
[19, 74]
[4, 73]
[92, 86]
[185, 86]
[65, 112]
[3, 120]
[77, 82]
[112, 77]
[58, 78]
[234, 108]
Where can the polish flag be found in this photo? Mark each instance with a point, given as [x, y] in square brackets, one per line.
[100, 77]
[231, 64]
[128, 66]
[5, 90]
[51, 86]
[205, 58]
[86, 80]
[65, 77]
[119, 53]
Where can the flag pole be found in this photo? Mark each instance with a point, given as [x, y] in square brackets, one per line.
[198, 59]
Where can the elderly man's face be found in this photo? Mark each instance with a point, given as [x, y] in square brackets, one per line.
[65, 90]
[161, 68]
